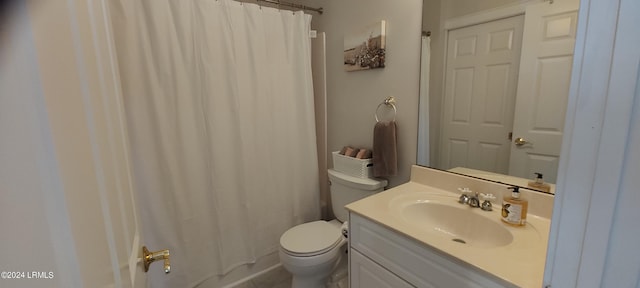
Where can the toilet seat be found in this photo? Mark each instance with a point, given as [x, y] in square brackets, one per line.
[310, 239]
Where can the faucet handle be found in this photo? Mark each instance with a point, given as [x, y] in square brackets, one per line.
[487, 197]
[486, 205]
[464, 197]
[465, 190]
[474, 202]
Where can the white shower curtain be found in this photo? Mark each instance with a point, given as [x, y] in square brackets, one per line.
[219, 104]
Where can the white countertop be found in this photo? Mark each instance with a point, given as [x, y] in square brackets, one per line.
[520, 262]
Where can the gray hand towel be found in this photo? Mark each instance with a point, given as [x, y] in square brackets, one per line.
[385, 156]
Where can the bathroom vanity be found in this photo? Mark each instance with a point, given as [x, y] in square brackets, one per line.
[418, 235]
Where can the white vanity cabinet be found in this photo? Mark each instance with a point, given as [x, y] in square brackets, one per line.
[381, 257]
[366, 273]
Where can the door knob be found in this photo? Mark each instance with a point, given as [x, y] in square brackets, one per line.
[150, 257]
[520, 141]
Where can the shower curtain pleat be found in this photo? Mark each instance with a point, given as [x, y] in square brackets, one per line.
[219, 105]
[424, 146]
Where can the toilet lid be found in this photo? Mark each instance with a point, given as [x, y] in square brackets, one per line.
[310, 238]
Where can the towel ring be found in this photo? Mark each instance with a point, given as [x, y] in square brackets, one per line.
[388, 102]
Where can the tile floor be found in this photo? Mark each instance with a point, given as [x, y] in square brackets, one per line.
[280, 278]
[277, 278]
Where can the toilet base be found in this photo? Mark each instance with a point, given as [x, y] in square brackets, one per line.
[316, 271]
[315, 275]
[308, 283]
[339, 278]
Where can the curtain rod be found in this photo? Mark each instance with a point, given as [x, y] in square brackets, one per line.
[293, 5]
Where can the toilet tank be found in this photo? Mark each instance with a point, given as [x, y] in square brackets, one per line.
[346, 189]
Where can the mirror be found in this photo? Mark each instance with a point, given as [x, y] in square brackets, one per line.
[498, 84]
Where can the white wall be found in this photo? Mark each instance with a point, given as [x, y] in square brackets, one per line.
[35, 232]
[457, 8]
[22, 203]
[352, 97]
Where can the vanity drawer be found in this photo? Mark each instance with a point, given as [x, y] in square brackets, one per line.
[368, 274]
[411, 261]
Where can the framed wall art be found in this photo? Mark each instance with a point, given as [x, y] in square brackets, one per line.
[365, 49]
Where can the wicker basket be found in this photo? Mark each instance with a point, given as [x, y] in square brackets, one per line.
[362, 168]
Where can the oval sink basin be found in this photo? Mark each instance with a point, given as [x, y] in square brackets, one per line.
[457, 223]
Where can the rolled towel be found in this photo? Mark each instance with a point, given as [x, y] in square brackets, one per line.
[344, 229]
[351, 152]
[363, 154]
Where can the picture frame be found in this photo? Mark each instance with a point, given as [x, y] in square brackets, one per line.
[365, 49]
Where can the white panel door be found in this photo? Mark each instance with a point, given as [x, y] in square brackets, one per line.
[81, 91]
[480, 89]
[543, 88]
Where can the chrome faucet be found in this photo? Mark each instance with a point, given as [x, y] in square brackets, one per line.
[474, 200]
[486, 205]
[464, 198]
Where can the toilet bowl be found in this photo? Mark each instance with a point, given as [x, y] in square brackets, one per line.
[312, 251]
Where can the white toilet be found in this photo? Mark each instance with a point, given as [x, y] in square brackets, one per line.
[311, 251]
